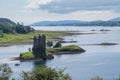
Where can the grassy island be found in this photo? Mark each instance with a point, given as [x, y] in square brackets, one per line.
[72, 49]
[107, 44]
[30, 56]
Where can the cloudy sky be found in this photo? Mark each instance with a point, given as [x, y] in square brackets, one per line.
[29, 11]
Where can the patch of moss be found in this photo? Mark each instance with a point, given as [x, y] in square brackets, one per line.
[30, 56]
[27, 55]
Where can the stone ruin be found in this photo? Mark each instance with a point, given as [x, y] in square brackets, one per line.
[39, 47]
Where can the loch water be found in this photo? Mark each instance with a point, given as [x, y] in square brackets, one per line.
[98, 60]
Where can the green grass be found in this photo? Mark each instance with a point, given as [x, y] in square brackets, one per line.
[27, 55]
[9, 38]
[50, 51]
[64, 49]
[30, 55]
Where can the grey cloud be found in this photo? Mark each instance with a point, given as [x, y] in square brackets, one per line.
[67, 6]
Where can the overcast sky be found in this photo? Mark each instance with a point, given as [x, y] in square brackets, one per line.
[29, 11]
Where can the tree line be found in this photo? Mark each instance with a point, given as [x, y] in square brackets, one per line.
[40, 73]
[8, 26]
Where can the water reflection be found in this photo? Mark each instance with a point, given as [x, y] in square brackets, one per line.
[39, 63]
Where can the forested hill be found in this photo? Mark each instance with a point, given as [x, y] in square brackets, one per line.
[8, 26]
[6, 21]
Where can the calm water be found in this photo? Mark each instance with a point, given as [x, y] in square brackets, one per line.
[96, 61]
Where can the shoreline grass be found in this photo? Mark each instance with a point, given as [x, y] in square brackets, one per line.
[24, 38]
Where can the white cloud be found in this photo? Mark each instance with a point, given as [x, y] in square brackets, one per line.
[35, 4]
[88, 10]
[86, 15]
[79, 15]
[68, 6]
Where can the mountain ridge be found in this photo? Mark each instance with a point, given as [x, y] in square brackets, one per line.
[45, 23]
[115, 19]
[111, 22]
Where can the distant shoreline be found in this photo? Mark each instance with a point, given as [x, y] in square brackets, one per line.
[57, 37]
[111, 23]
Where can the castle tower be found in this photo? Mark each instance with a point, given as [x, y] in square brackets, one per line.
[39, 47]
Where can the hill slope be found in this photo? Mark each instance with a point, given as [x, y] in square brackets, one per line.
[112, 22]
[8, 26]
[115, 19]
[6, 21]
[57, 23]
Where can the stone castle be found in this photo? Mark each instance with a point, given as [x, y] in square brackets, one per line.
[39, 47]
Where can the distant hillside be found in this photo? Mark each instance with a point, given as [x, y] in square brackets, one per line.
[112, 22]
[8, 26]
[57, 23]
[115, 19]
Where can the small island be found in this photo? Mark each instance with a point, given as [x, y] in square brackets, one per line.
[71, 49]
[40, 52]
[107, 44]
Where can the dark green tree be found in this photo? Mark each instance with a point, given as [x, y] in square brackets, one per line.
[45, 73]
[1, 33]
[118, 78]
[49, 43]
[58, 44]
[5, 72]
[21, 29]
[8, 26]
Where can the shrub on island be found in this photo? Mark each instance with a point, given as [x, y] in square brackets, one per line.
[49, 43]
[57, 45]
[27, 55]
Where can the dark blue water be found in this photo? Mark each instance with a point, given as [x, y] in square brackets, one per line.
[98, 60]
